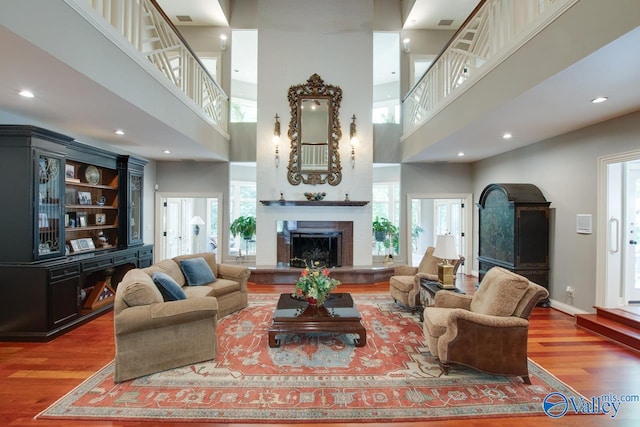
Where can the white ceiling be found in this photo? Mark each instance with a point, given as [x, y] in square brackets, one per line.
[557, 105]
[202, 12]
[427, 14]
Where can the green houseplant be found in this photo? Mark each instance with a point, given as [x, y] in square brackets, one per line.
[245, 226]
[382, 227]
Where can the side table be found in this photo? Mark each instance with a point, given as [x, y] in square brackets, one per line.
[428, 289]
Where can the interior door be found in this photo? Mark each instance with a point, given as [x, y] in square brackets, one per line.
[189, 224]
[448, 219]
[436, 215]
[614, 236]
[175, 228]
[631, 233]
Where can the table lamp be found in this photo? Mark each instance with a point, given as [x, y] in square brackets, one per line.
[446, 250]
[196, 221]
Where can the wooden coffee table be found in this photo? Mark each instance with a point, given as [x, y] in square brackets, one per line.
[338, 315]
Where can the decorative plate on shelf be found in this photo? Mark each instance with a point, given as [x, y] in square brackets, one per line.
[92, 174]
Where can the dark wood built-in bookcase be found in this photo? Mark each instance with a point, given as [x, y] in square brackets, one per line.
[71, 227]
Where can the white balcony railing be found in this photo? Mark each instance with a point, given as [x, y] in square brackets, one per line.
[152, 34]
[494, 29]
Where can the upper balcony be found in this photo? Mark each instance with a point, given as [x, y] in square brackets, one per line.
[109, 64]
[529, 67]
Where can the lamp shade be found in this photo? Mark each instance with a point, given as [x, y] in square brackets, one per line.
[196, 220]
[446, 247]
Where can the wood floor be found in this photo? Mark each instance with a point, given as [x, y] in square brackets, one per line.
[34, 375]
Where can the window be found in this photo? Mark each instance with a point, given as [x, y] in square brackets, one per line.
[211, 63]
[243, 100]
[386, 204]
[386, 78]
[242, 202]
[421, 64]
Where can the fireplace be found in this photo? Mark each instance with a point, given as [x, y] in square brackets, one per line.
[310, 248]
[328, 242]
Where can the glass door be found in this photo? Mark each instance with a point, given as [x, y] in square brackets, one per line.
[431, 215]
[190, 225]
[135, 208]
[632, 231]
[49, 218]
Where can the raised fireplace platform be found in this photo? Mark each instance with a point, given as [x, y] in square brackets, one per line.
[349, 275]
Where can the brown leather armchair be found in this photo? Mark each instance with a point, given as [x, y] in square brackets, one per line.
[487, 331]
[404, 285]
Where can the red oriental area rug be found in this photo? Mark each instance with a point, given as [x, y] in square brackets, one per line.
[311, 378]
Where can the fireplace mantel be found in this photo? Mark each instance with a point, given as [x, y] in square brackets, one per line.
[313, 203]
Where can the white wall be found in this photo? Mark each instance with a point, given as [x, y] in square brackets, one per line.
[565, 170]
[291, 49]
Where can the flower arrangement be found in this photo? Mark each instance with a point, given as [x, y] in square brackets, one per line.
[315, 284]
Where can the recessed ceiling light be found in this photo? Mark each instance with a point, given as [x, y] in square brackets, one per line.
[599, 99]
[507, 135]
[460, 154]
[119, 132]
[166, 151]
[26, 93]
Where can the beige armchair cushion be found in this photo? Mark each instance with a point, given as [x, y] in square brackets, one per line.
[429, 263]
[435, 320]
[403, 283]
[499, 293]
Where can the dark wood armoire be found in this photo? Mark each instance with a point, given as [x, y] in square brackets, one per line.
[514, 231]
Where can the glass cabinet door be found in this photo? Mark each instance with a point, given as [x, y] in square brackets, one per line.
[135, 208]
[49, 202]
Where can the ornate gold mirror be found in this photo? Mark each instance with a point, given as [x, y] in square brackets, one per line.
[314, 131]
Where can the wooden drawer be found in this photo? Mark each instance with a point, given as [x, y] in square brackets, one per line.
[97, 264]
[65, 271]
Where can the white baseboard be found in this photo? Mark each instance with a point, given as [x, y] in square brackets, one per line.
[566, 308]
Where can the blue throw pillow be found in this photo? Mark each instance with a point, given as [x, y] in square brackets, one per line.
[197, 271]
[168, 287]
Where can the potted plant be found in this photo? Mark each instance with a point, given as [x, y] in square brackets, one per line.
[415, 235]
[245, 226]
[382, 227]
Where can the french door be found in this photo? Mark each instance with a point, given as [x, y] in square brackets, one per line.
[631, 233]
[188, 224]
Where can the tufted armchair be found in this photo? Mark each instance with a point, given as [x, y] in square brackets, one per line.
[404, 285]
[487, 331]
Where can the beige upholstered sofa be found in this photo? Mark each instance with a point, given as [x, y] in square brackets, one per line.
[153, 335]
[487, 331]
